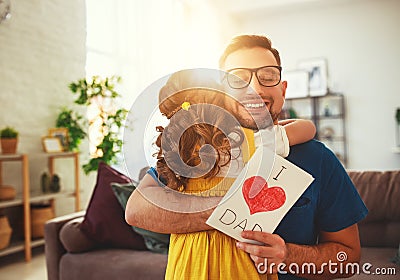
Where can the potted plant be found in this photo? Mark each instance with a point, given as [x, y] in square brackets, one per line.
[9, 140]
[74, 122]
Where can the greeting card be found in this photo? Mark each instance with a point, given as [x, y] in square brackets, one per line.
[261, 196]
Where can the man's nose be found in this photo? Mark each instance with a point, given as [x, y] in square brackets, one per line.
[254, 86]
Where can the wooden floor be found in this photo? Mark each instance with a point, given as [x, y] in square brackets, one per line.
[14, 266]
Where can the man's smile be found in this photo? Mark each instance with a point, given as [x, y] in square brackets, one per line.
[254, 105]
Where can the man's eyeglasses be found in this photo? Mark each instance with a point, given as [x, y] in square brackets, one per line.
[267, 76]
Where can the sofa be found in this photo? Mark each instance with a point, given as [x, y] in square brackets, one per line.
[84, 259]
[99, 263]
[380, 230]
[97, 243]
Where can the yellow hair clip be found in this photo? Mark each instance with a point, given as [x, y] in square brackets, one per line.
[185, 106]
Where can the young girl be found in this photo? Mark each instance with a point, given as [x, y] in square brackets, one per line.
[186, 163]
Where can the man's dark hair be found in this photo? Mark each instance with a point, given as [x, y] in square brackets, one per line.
[248, 42]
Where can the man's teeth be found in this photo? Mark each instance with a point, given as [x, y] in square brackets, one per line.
[259, 105]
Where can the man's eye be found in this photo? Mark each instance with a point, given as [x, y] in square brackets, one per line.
[266, 78]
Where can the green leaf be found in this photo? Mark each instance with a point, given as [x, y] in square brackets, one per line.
[74, 122]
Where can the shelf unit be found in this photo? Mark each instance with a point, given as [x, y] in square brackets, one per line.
[328, 114]
[27, 197]
[24, 201]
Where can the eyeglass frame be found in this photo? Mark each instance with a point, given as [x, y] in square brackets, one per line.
[255, 70]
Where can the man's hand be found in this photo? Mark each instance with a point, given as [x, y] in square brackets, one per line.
[283, 255]
[273, 251]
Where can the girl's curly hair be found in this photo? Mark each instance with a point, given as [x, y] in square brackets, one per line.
[196, 144]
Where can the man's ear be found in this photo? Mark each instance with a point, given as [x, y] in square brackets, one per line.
[284, 86]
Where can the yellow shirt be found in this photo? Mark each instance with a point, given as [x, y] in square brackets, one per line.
[211, 255]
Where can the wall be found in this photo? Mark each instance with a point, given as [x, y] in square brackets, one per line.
[360, 41]
[42, 49]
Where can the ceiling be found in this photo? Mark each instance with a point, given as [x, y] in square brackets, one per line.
[242, 8]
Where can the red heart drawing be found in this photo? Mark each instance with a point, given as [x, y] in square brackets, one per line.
[267, 199]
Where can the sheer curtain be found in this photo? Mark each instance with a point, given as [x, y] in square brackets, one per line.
[143, 41]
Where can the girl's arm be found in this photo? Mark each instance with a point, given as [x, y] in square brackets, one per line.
[298, 130]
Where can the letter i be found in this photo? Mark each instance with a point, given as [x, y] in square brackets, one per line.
[276, 177]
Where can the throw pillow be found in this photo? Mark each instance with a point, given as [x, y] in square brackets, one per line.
[73, 239]
[156, 242]
[104, 220]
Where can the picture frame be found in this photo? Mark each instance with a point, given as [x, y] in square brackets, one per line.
[52, 144]
[317, 73]
[297, 83]
[62, 134]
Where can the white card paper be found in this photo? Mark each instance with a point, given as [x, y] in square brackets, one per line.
[260, 197]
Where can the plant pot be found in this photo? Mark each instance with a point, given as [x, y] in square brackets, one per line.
[7, 193]
[5, 232]
[9, 145]
[40, 215]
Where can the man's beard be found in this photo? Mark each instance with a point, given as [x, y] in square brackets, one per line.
[258, 122]
[275, 115]
[254, 123]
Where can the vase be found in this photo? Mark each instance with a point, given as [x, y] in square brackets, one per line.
[55, 183]
[5, 232]
[9, 145]
[45, 182]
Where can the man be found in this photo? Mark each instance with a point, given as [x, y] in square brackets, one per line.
[320, 227]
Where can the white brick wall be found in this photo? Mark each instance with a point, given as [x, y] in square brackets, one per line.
[42, 49]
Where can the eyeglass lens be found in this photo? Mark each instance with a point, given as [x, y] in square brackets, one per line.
[267, 76]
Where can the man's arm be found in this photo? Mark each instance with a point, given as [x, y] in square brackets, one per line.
[334, 248]
[163, 210]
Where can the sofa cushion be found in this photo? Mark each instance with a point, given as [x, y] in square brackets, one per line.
[115, 264]
[73, 239]
[104, 220]
[380, 191]
[156, 242]
[379, 258]
[375, 264]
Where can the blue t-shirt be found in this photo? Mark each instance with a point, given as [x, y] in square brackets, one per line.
[331, 203]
